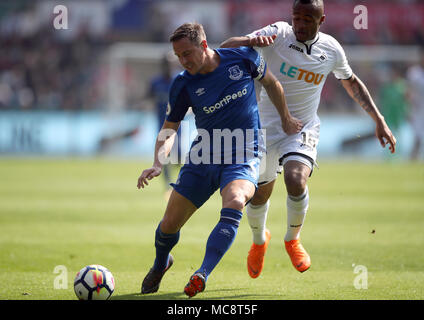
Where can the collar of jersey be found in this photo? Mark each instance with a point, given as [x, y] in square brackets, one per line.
[309, 43]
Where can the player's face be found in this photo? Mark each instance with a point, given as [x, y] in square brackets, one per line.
[190, 56]
[306, 21]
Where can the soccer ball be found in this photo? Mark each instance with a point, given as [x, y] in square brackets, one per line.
[94, 282]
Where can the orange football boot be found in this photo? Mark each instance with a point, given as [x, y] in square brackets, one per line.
[196, 284]
[255, 259]
[298, 255]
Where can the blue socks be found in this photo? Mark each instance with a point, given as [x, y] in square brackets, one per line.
[164, 243]
[220, 239]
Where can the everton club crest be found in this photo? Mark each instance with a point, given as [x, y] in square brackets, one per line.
[235, 72]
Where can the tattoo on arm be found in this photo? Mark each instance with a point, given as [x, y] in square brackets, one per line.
[361, 95]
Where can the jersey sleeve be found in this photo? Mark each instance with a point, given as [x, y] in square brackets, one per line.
[255, 63]
[277, 28]
[179, 101]
[342, 69]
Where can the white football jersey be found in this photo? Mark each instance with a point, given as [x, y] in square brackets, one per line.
[301, 68]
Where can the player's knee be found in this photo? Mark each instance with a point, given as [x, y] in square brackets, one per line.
[235, 201]
[295, 182]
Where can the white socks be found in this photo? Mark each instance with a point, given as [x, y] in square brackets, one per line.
[256, 215]
[296, 212]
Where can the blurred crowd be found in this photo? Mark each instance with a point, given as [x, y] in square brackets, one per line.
[42, 70]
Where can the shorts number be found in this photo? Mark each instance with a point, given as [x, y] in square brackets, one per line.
[308, 140]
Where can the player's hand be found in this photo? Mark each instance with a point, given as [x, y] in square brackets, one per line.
[262, 41]
[146, 175]
[292, 125]
[385, 136]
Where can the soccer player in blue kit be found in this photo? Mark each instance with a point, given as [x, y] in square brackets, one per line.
[219, 87]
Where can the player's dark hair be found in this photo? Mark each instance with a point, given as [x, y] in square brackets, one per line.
[317, 3]
[192, 31]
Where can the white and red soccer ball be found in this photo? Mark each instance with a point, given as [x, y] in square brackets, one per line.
[94, 282]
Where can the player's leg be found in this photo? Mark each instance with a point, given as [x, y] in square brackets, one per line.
[299, 157]
[192, 189]
[237, 188]
[167, 234]
[178, 211]
[257, 209]
[257, 212]
[234, 197]
[296, 175]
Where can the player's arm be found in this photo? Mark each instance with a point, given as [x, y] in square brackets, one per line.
[259, 41]
[275, 93]
[163, 146]
[359, 92]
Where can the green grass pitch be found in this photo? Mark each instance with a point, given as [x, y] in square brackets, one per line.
[75, 212]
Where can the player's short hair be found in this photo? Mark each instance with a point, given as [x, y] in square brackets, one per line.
[317, 3]
[193, 31]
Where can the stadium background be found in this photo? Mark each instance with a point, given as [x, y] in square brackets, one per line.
[66, 92]
[77, 127]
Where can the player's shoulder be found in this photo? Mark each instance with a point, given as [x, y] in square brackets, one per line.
[277, 28]
[281, 26]
[237, 53]
[179, 82]
[330, 42]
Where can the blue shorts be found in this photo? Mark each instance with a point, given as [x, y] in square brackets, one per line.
[198, 182]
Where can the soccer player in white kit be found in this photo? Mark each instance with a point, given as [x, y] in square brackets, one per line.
[301, 58]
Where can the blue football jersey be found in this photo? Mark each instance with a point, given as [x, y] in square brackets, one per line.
[225, 107]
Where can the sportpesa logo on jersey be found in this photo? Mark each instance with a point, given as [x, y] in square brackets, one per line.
[226, 100]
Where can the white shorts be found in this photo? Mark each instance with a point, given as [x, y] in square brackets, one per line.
[301, 147]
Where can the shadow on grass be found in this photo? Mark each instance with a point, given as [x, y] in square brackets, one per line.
[181, 296]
